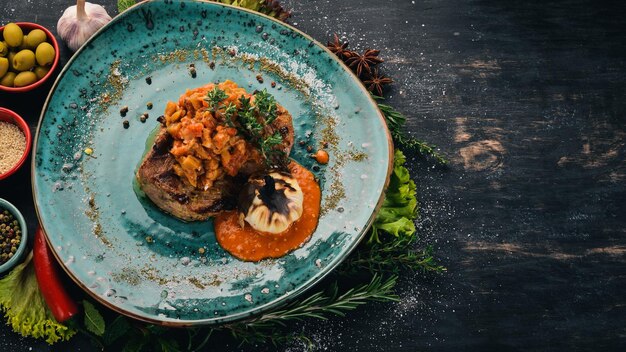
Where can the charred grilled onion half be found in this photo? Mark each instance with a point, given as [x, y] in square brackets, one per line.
[270, 203]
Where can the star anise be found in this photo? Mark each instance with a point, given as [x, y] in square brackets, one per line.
[375, 82]
[340, 49]
[365, 62]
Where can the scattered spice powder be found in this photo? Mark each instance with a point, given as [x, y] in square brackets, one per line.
[12, 146]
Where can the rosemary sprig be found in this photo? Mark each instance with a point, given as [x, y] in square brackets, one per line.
[392, 257]
[423, 148]
[395, 122]
[268, 327]
[322, 303]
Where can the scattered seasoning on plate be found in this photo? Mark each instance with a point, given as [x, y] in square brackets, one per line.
[10, 235]
[143, 117]
[192, 70]
[149, 80]
[259, 78]
[149, 105]
[123, 111]
[12, 146]
[126, 124]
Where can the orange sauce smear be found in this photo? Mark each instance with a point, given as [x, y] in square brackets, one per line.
[249, 245]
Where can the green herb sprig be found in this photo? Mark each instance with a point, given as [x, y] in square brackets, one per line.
[253, 118]
[214, 98]
[271, 8]
[395, 122]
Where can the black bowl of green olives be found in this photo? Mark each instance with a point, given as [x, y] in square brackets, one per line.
[29, 54]
[13, 235]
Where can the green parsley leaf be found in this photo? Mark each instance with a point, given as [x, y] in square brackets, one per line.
[118, 328]
[93, 320]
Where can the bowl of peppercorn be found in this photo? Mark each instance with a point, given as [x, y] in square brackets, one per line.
[12, 236]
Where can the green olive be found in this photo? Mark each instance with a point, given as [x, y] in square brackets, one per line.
[25, 78]
[4, 66]
[24, 60]
[23, 45]
[8, 79]
[13, 35]
[34, 38]
[41, 71]
[45, 54]
[10, 56]
[4, 49]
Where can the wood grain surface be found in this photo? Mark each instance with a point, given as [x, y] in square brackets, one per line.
[527, 100]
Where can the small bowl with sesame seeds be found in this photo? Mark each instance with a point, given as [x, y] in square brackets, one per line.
[15, 142]
[13, 236]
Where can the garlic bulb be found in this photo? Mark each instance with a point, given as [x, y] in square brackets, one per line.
[80, 22]
[271, 203]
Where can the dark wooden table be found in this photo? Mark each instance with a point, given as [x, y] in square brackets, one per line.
[527, 99]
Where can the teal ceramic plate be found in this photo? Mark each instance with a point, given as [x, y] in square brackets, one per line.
[123, 250]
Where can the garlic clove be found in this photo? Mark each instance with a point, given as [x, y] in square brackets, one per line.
[271, 203]
[78, 23]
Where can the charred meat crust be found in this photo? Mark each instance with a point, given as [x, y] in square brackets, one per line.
[159, 182]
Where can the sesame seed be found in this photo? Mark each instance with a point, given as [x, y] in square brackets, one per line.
[12, 146]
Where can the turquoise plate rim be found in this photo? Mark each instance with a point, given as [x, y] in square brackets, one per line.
[288, 296]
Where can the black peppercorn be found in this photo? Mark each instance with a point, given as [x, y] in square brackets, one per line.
[9, 236]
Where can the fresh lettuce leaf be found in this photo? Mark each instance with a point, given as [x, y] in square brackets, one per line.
[400, 207]
[25, 308]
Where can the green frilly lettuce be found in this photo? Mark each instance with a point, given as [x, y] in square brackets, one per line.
[24, 306]
[399, 208]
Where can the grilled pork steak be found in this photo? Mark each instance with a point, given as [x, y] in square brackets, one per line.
[166, 189]
[172, 194]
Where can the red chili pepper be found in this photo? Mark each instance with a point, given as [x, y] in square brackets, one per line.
[58, 300]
